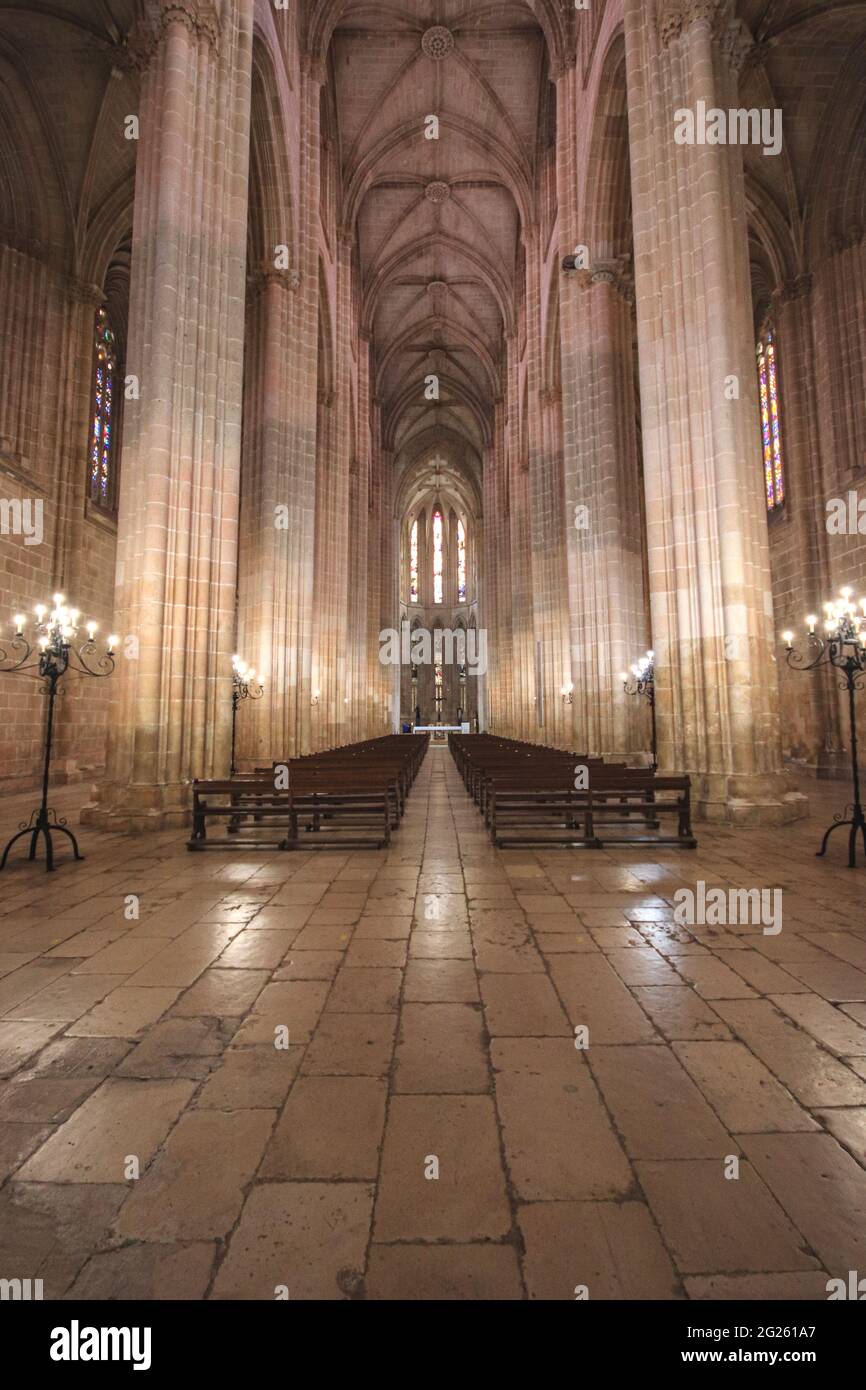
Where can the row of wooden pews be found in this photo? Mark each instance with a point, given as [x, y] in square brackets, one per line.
[532, 795]
[345, 798]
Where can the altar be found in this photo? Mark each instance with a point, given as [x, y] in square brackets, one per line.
[439, 732]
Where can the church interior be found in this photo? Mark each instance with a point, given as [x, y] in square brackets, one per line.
[432, 646]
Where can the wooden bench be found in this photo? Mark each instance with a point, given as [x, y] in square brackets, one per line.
[624, 812]
[351, 797]
[527, 795]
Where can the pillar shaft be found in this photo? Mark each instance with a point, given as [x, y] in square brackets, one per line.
[178, 521]
[712, 620]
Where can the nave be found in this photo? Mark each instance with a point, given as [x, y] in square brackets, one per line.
[430, 1131]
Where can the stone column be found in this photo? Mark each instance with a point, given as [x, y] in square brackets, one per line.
[178, 522]
[496, 578]
[275, 563]
[520, 616]
[608, 623]
[799, 544]
[550, 564]
[711, 605]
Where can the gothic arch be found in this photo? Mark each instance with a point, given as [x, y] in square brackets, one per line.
[271, 205]
[608, 191]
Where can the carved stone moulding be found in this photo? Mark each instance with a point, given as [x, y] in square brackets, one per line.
[198, 16]
[84, 292]
[259, 279]
[437, 42]
[676, 16]
[798, 287]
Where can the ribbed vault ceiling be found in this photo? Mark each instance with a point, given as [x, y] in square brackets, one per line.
[438, 222]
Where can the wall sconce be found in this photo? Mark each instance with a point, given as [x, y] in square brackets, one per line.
[567, 693]
[315, 699]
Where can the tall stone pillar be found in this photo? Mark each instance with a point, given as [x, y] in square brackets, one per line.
[549, 566]
[497, 577]
[275, 562]
[800, 549]
[178, 521]
[520, 615]
[712, 618]
[603, 544]
[332, 659]
[608, 620]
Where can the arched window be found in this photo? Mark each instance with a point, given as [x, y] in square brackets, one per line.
[771, 434]
[461, 562]
[102, 449]
[413, 563]
[438, 570]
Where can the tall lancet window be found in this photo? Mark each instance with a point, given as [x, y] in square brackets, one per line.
[771, 434]
[461, 562]
[438, 569]
[102, 430]
[413, 563]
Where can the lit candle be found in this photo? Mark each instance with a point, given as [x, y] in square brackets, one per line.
[19, 624]
[58, 600]
[112, 643]
[788, 638]
[40, 611]
[811, 620]
[91, 629]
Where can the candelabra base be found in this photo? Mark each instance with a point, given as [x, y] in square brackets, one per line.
[40, 823]
[856, 821]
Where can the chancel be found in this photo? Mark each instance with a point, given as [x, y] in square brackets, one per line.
[455, 891]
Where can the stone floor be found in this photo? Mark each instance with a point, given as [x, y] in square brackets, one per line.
[431, 1130]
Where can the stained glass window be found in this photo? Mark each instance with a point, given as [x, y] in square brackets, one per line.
[438, 572]
[104, 413]
[771, 437]
[461, 562]
[413, 563]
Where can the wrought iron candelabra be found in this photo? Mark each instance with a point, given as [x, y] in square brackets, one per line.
[642, 682]
[244, 687]
[843, 647]
[55, 652]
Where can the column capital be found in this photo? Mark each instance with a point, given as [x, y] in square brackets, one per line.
[84, 292]
[313, 67]
[561, 67]
[259, 279]
[25, 245]
[798, 287]
[737, 45]
[843, 241]
[617, 273]
[200, 17]
[676, 16]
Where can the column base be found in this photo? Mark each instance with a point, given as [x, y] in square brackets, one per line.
[761, 799]
[133, 809]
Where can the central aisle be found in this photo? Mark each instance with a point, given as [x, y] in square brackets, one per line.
[431, 1130]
